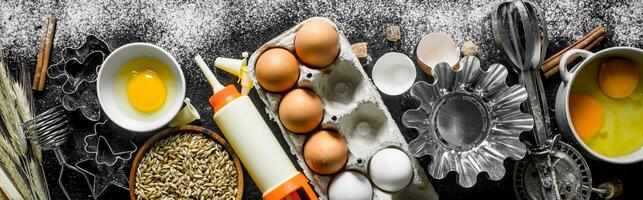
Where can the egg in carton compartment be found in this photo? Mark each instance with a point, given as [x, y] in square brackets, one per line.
[352, 107]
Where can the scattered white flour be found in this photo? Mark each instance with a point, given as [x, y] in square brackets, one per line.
[627, 28]
[567, 20]
[463, 21]
[221, 27]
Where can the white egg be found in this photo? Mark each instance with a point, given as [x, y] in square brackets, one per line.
[350, 185]
[391, 169]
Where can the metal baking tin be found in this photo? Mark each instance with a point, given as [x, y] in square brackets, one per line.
[469, 121]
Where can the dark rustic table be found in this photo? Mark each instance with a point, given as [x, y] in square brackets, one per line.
[226, 28]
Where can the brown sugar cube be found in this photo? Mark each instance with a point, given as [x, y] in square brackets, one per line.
[469, 48]
[360, 50]
[392, 33]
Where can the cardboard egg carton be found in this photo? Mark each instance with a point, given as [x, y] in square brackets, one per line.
[352, 107]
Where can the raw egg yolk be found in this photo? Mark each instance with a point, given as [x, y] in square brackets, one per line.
[146, 91]
[618, 78]
[586, 113]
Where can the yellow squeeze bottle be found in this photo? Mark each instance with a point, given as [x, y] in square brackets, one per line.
[254, 142]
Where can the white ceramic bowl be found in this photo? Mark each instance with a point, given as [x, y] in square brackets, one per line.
[113, 99]
[591, 61]
[394, 73]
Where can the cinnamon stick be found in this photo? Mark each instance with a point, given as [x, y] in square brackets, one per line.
[554, 70]
[51, 31]
[43, 40]
[585, 37]
[553, 61]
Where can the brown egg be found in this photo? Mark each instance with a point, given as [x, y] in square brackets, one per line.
[326, 152]
[277, 70]
[317, 44]
[301, 111]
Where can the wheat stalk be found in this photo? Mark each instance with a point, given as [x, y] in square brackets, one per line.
[21, 175]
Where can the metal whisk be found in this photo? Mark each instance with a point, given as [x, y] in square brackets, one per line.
[519, 29]
[552, 169]
[50, 130]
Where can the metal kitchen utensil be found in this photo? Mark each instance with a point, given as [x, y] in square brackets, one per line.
[104, 175]
[520, 32]
[517, 31]
[553, 169]
[110, 143]
[469, 121]
[78, 70]
[574, 179]
[50, 130]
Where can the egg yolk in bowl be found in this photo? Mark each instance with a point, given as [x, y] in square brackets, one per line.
[605, 106]
[146, 83]
[146, 91]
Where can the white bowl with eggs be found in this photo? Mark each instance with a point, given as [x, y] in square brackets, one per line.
[612, 129]
[140, 87]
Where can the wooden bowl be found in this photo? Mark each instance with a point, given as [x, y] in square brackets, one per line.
[184, 129]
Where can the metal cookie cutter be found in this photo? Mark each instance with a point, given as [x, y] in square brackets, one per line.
[77, 73]
[104, 175]
[110, 143]
[469, 121]
[79, 69]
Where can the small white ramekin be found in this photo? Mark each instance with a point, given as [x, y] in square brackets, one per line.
[108, 92]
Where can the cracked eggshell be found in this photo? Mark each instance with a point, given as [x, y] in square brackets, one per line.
[394, 73]
[435, 48]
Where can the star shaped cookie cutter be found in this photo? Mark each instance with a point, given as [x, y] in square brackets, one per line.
[104, 175]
